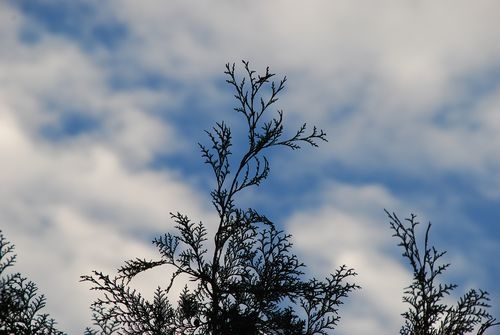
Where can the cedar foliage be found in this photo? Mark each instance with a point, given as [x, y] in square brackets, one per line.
[428, 314]
[250, 282]
[20, 303]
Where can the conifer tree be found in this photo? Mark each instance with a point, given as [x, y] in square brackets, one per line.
[428, 314]
[20, 303]
[248, 281]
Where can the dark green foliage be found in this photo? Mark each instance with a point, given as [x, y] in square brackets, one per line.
[20, 304]
[247, 281]
[428, 314]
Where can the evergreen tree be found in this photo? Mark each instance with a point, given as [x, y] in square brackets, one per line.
[249, 282]
[428, 314]
[20, 303]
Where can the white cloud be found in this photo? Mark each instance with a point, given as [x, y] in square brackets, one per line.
[86, 202]
[71, 213]
[393, 65]
[400, 63]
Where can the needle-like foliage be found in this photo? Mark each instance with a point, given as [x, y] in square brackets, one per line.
[20, 303]
[249, 282]
[428, 313]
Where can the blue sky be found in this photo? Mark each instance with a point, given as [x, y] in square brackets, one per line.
[102, 106]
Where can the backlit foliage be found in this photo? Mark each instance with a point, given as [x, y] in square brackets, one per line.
[20, 304]
[428, 314]
[249, 282]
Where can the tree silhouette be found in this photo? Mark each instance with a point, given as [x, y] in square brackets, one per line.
[249, 282]
[20, 303]
[246, 279]
[428, 314]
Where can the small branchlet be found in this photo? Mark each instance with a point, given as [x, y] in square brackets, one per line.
[321, 300]
[261, 134]
[20, 304]
[428, 314]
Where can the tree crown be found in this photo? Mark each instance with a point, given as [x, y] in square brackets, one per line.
[250, 282]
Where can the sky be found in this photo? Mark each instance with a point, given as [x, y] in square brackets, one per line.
[102, 104]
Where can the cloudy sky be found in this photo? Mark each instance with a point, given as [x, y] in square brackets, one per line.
[102, 104]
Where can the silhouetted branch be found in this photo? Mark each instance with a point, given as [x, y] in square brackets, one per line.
[20, 303]
[428, 315]
[242, 286]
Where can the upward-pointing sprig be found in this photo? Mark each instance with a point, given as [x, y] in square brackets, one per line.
[250, 282]
[428, 314]
[253, 165]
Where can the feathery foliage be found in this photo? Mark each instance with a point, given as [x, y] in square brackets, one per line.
[248, 281]
[428, 314]
[20, 303]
